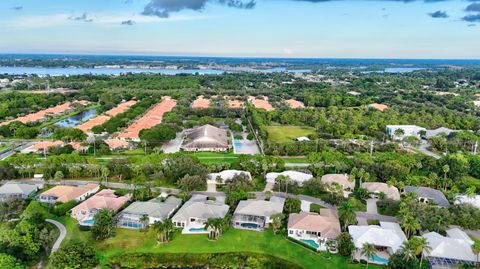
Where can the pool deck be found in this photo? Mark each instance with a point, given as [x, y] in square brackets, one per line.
[245, 146]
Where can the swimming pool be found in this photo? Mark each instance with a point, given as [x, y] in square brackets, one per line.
[197, 230]
[311, 243]
[87, 222]
[381, 260]
[249, 225]
[237, 143]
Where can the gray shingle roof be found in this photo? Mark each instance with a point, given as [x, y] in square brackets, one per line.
[198, 207]
[206, 136]
[433, 194]
[16, 188]
[154, 208]
[260, 207]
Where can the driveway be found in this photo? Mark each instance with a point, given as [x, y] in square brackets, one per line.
[372, 206]
[173, 146]
[63, 233]
[269, 187]
[423, 148]
[305, 206]
[211, 187]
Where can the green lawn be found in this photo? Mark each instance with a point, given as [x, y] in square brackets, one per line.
[215, 157]
[281, 133]
[232, 241]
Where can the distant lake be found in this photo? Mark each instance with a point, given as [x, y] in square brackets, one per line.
[75, 120]
[71, 71]
[397, 70]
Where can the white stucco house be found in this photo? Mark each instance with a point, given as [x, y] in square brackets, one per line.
[408, 130]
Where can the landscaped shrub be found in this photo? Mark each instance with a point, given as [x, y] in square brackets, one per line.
[216, 260]
[62, 209]
[388, 207]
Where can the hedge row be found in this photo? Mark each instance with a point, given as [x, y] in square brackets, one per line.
[210, 260]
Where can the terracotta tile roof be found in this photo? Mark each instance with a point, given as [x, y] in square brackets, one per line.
[46, 145]
[104, 199]
[379, 107]
[150, 119]
[292, 103]
[69, 193]
[391, 192]
[340, 179]
[116, 143]
[42, 114]
[200, 103]
[261, 103]
[87, 126]
[326, 222]
[120, 108]
[235, 104]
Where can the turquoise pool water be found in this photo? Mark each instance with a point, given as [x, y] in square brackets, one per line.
[88, 222]
[311, 243]
[197, 229]
[237, 143]
[378, 259]
[249, 225]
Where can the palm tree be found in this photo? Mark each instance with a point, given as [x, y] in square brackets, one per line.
[408, 250]
[445, 170]
[422, 246]
[399, 132]
[410, 225]
[144, 220]
[216, 225]
[347, 213]
[368, 250]
[277, 222]
[163, 230]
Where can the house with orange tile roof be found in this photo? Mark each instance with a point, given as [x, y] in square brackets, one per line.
[78, 147]
[87, 126]
[261, 103]
[152, 118]
[379, 107]
[292, 103]
[117, 144]
[40, 147]
[44, 114]
[315, 229]
[85, 212]
[65, 193]
[201, 102]
[235, 104]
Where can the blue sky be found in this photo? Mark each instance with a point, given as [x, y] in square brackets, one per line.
[265, 28]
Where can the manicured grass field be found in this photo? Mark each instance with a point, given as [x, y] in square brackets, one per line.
[215, 157]
[281, 133]
[127, 241]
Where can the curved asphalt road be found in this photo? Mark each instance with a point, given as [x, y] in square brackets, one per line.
[63, 233]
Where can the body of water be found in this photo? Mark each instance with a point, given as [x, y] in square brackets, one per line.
[71, 71]
[75, 120]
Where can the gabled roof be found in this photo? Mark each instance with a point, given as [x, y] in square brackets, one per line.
[388, 234]
[447, 131]
[293, 175]
[260, 207]
[104, 199]
[206, 136]
[15, 188]
[341, 179]
[199, 207]
[66, 193]
[391, 192]
[326, 222]
[465, 199]
[154, 208]
[455, 246]
[437, 196]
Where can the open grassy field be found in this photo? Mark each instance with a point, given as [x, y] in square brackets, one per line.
[128, 241]
[281, 133]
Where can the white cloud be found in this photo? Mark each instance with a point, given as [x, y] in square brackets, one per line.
[102, 20]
